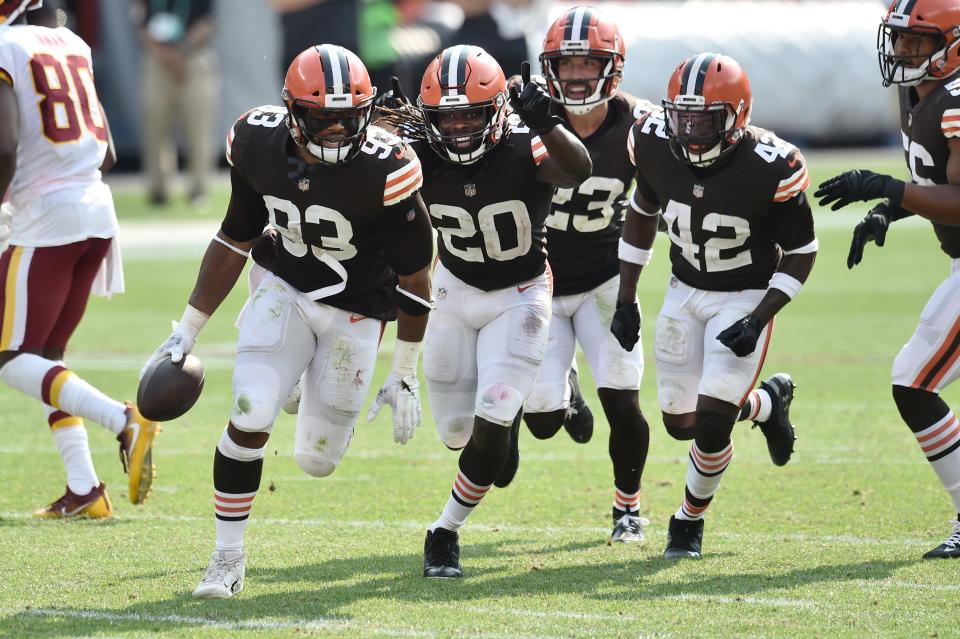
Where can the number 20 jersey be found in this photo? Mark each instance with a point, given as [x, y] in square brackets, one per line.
[332, 220]
[727, 225]
[62, 132]
[490, 214]
[925, 127]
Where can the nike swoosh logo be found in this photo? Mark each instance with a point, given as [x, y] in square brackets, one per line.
[356, 318]
[135, 427]
[524, 288]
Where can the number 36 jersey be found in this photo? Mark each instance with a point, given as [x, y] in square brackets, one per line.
[728, 225]
[345, 230]
[490, 215]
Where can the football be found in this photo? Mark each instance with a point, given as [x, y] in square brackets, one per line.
[169, 390]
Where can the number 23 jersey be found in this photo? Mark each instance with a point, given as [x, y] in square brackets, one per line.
[727, 225]
[490, 214]
[342, 235]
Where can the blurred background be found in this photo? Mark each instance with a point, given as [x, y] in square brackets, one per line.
[174, 74]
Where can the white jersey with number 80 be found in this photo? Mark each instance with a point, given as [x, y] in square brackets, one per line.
[56, 195]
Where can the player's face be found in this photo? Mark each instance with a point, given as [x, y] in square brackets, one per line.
[578, 75]
[914, 48]
[463, 122]
[700, 130]
[329, 127]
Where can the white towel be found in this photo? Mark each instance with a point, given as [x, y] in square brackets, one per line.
[109, 279]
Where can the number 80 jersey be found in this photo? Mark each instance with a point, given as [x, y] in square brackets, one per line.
[63, 134]
[727, 224]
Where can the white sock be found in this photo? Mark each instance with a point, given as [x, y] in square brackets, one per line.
[704, 472]
[760, 406]
[75, 452]
[55, 385]
[463, 499]
[941, 444]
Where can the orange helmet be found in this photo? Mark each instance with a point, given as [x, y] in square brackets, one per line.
[583, 31]
[938, 18]
[707, 107]
[12, 9]
[329, 101]
[463, 97]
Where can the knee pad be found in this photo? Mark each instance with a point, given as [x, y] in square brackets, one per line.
[314, 464]
[254, 408]
[728, 385]
[712, 432]
[546, 399]
[455, 432]
[677, 394]
[499, 404]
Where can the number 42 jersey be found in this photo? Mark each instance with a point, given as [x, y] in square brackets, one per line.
[729, 224]
[344, 230]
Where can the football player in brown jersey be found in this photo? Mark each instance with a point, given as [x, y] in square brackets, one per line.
[742, 245]
[582, 61]
[919, 51]
[488, 182]
[354, 249]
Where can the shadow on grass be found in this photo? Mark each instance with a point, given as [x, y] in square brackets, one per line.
[278, 599]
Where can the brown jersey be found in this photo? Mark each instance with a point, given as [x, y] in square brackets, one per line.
[925, 127]
[490, 215]
[585, 224]
[727, 224]
[342, 228]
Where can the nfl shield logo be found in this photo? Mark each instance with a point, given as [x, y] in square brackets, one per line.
[470, 190]
[697, 190]
[304, 184]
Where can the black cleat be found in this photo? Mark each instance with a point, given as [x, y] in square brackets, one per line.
[778, 430]
[627, 528]
[441, 555]
[578, 422]
[684, 539]
[950, 549]
[509, 470]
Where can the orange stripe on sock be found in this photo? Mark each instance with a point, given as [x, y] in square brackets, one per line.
[224, 509]
[57, 385]
[233, 500]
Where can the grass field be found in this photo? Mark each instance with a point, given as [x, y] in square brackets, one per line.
[827, 546]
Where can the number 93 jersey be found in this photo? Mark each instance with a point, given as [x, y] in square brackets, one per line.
[729, 224]
[585, 224]
[341, 239]
[926, 126]
[63, 134]
[490, 215]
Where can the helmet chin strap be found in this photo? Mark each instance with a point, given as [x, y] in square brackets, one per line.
[329, 155]
[582, 109]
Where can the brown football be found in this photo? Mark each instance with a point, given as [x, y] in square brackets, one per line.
[169, 390]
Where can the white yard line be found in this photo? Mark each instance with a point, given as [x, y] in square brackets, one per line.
[777, 602]
[325, 624]
[509, 528]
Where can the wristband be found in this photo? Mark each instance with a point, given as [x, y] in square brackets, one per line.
[630, 253]
[405, 355]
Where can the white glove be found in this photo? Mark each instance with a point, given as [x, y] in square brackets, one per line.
[402, 392]
[181, 341]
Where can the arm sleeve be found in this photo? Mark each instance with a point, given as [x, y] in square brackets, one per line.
[247, 213]
[793, 224]
[406, 236]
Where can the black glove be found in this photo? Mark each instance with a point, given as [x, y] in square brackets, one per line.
[533, 104]
[859, 186]
[394, 98]
[741, 336]
[873, 227]
[625, 325]
[265, 248]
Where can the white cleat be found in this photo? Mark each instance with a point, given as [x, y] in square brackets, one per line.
[224, 576]
[292, 403]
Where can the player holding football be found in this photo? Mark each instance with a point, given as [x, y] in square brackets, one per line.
[742, 245]
[488, 184]
[919, 51]
[343, 197]
[54, 145]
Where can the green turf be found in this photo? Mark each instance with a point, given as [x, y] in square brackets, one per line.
[827, 546]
